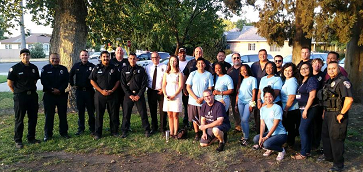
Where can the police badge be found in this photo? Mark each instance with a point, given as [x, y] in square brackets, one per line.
[11, 69]
[332, 84]
[33, 70]
[90, 68]
[319, 78]
[61, 72]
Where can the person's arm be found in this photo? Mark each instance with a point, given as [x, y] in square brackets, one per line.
[181, 85]
[163, 86]
[262, 130]
[311, 98]
[253, 98]
[11, 85]
[202, 123]
[95, 85]
[124, 86]
[348, 101]
[115, 87]
[65, 80]
[143, 85]
[289, 102]
[259, 101]
[215, 123]
[191, 93]
[272, 130]
[71, 75]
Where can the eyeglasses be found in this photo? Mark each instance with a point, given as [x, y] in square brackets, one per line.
[235, 58]
[154, 57]
[278, 61]
[305, 68]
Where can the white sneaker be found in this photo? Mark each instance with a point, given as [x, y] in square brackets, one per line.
[281, 155]
[268, 152]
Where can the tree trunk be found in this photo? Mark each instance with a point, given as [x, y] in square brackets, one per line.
[69, 34]
[299, 39]
[354, 61]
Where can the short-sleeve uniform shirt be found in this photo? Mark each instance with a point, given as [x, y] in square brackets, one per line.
[275, 82]
[199, 82]
[289, 88]
[246, 88]
[269, 115]
[105, 76]
[24, 77]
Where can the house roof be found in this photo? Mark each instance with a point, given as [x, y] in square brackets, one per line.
[33, 38]
[248, 33]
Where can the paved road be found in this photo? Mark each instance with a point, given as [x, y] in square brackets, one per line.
[4, 68]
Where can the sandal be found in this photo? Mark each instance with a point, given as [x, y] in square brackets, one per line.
[256, 147]
[298, 156]
[244, 142]
[268, 152]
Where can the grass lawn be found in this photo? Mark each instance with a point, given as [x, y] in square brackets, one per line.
[3, 78]
[234, 158]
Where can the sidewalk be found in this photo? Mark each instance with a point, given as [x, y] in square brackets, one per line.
[15, 60]
[5, 88]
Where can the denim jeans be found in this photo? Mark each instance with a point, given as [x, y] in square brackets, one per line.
[273, 143]
[244, 112]
[305, 130]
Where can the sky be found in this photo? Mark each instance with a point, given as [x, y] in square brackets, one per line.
[248, 14]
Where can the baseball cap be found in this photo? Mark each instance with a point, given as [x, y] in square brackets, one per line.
[24, 51]
[182, 50]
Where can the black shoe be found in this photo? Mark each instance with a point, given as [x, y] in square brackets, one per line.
[335, 169]
[79, 133]
[147, 133]
[153, 131]
[244, 142]
[93, 134]
[66, 136]
[197, 137]
[115, 135]
[34, 141]
[46, 138]
[19, 145]
[124, 135]
[220, 147]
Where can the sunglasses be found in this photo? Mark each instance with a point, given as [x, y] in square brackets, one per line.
[235, 58]
[278, 61]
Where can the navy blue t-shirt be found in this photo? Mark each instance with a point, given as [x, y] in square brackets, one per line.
[304, 89]
[211, 113]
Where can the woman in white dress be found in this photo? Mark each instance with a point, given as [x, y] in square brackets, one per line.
[172, 87]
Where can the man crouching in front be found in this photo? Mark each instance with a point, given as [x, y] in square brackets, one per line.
[214, 122]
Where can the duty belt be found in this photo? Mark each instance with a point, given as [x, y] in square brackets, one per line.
[333, 109]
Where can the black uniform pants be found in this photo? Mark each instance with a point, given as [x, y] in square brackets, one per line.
[185, 105]
[333, 135]
[237, 118]
[153, 99]
[316, 130]
[291, 121]
[85, 99]
[141, 107]
[110, 102]
[50, 102]
[24, 103]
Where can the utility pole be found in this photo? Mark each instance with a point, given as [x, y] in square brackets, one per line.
[22, 30]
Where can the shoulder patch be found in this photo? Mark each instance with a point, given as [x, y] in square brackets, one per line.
[11, 69]
[347, 84]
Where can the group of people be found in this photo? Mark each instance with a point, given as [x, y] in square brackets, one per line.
[283, 98]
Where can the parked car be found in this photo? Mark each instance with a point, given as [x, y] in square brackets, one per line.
[247, 59]
[341, 62]
[95, 55]
[322, 56]
[166, 61]
[145, 58]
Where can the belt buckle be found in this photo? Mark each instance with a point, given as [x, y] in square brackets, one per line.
[29, 92]
[84, 89]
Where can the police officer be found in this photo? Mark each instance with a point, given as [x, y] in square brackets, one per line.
[134, 82]
[105, 78]
[78, 78]
[22, 79]
[337, 99]
[55, 79]
[120, 62]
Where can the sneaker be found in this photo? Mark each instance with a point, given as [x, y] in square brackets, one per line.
[47, 138]
[268, 152]
[281, 155]
[147, 134]
[220, 147]
[336, 169]
[244, 142]
[66, 136]
[19, 145]
[124, 135]
[79, 132]
[34, 141]
[256, 147]
[96, 137]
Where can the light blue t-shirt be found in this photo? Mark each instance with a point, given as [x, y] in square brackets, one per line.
[269, 115]
[199, 83]
[223, 83]
[246, 88]
[289, 88]
[275, 82]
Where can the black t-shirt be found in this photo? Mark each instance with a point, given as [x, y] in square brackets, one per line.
[234, 74]
[105, 76]
[54, 77]
[24, 77]
[257, 72]
[79, 74]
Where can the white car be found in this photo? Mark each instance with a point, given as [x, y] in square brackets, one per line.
[247, 59]
[95, 55]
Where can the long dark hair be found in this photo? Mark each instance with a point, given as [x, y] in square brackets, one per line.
[215, 74]
[286, 65]
[301, 78]
[240, 77]
[177, 64]
[274, 68]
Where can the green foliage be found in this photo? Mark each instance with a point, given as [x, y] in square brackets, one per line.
[3, 78]
[211, 50]
[37, 51]
[228, 25]
[243, 22]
